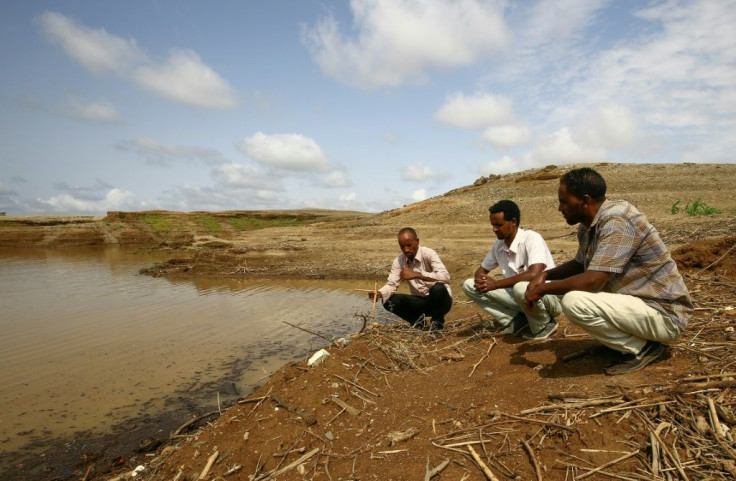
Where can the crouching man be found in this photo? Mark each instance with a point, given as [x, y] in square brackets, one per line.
[622, 287]
[428, 282]
[521, 255]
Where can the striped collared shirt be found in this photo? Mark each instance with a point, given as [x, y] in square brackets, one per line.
[427, 263]
[621, 241]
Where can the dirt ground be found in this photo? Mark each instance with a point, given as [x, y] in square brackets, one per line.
[394, 403]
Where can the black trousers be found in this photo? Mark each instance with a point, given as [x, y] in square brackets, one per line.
[414, 308]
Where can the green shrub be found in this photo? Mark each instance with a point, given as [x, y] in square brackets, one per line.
[697, 207]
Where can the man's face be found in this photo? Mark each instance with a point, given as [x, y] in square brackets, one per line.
[570, 205]
[503, 228]
[409, 245]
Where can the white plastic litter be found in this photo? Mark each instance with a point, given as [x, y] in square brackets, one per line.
[317, 357]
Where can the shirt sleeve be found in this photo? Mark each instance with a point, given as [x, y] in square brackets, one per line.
[536, 250]
[439, 271]
[490, 262]
[617, 242]
[392, 284]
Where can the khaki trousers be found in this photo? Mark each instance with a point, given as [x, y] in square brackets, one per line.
[503, 304]
[622, 322]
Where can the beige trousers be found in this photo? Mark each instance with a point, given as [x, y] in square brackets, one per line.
[503, 304]
[621, 322]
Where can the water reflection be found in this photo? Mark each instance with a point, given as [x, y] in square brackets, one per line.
[87, 341]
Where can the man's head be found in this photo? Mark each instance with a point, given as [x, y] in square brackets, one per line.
[580, 194]
[505, 218]
[408, 242]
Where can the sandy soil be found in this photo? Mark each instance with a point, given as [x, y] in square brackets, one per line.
[529, 410]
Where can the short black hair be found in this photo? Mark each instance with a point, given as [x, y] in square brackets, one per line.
[585, 181]
[408, 229]
[509, 208]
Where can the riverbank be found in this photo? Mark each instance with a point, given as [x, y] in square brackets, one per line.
[527, 409]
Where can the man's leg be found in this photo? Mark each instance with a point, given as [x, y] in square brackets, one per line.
[621, 322]
[544, 310]
[438, 304]
[409, 308]
[499, 303]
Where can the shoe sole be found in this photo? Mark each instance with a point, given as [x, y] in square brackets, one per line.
[532, 337]
[618, 369]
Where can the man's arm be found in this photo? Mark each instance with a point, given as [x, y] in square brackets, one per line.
[439, 271]
[588, 281]
[392, 283]
[488, 284]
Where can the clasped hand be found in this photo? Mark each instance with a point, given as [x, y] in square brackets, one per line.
[484, 284]
[407, 274]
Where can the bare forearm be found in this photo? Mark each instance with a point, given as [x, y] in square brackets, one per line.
[563, 271]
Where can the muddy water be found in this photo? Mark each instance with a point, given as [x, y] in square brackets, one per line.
[86, 342]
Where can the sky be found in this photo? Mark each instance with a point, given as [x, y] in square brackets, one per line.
[363, 105]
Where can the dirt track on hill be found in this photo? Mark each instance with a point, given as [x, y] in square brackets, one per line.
[529, 410]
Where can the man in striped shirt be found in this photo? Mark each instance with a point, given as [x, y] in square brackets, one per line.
[428, 280]
[622, 287]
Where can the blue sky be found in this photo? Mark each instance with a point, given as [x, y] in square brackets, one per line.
[363, 105]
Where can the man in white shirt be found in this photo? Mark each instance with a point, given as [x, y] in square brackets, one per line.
[521, 255]
[428, 282]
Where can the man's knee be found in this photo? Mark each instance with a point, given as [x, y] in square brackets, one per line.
[520, 291]
[572, 305]
[439, 289]
[469, 286]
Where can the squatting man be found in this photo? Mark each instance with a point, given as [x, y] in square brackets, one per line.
[521, 255]
[623, 287]
[428, 280]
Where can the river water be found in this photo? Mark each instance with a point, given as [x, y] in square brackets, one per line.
[86, 342]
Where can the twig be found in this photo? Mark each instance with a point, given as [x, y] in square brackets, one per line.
[357, 385]
[192, 421]
[210, 462]
[537, 469]
[716, 261]
[610, 463]
[486, 470]
[431, 473]
[289, 466]
[312, 332]
[375, 298]
[490, 346]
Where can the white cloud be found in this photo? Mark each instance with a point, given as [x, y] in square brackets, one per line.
[97, 50]
[233, 175]
[561, 148]
[504, 165]
[474, 112]
[609, 126]
[419, 195]
[398, 41]
[158, 153]
[337, 178]
[115, 199]
[292, 152]
[348, 197]
[95, 112]
[186, 79]
[504, 136]
[416, 173]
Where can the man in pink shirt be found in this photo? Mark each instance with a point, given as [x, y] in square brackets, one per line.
[428, 279]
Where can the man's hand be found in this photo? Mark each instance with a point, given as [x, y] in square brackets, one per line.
[377, 295]
[534, 290]
[483, 283]
[407, 274]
